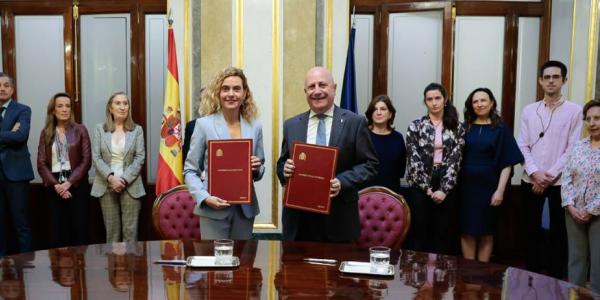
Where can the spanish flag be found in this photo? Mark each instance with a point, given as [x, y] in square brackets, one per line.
[170, 163]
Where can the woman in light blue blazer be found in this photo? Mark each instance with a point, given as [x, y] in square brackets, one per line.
[118, 155]
[229, 112]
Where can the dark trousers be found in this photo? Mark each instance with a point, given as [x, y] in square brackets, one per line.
[433, 226]
[69, 217]
[311, 227]
[14, 200]
[550, 256]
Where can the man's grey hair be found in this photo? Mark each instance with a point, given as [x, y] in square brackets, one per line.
[10, 79]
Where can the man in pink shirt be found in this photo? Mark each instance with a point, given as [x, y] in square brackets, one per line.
[549, 127]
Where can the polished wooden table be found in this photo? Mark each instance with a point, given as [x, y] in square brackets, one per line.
[268, 270]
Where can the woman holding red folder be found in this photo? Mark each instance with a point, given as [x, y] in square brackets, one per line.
[228, 112]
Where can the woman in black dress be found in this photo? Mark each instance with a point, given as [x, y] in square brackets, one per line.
[489, 154]
[388, 143]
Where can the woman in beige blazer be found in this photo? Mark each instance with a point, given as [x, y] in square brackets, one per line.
[118, 155]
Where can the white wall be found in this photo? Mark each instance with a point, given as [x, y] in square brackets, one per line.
[363, 56]
[414, 61]
[156, 64]
[258, 67]
[478, 57]
[40, 73]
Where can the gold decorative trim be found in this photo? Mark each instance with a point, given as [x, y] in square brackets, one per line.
[572, 52]
[273, 259]
[275, 119]
[239, 15]
[329, 36]
[592, 44]
[267, 225]
[186, 60]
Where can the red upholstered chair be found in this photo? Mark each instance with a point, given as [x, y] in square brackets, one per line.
[384, 218]
[173, 215]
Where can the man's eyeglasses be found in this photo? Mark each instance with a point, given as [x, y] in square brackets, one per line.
[555, 77]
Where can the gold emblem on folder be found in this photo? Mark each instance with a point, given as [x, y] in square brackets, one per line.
[302, 156]
[219, 152]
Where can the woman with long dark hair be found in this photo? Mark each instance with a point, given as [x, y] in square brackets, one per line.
[63, 162]
[434, 150]
[490, 152]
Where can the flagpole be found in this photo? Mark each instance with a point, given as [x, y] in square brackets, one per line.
[353, 15]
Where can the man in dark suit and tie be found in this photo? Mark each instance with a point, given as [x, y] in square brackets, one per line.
[15, 166]
[327, 124]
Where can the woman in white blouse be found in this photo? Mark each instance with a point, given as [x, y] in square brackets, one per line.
[118, 155]
[581, 199]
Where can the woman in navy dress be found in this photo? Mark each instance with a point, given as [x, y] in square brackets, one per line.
[489, 154]
[388, 143]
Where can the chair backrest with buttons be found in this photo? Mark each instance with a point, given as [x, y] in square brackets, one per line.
[173, 215]
[384, 218]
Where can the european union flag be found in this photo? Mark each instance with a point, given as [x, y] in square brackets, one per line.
[348, 100]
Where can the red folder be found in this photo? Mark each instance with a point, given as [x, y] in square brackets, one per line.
[308, 188]
[229, 170]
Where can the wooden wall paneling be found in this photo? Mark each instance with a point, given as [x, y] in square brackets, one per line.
[447, 45]
[45, 8]
[545, 26]
[382, 20]
[8, 44]
[4, 34]
[69, 40]
[381, 10]
[509, 73]
[497, 8]
[138, 68]
[376, 13]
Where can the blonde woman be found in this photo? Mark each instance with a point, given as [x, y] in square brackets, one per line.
[229, 112]
[118, 155]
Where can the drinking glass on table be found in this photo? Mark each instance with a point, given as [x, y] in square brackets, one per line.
[223, 252]
[380, 259]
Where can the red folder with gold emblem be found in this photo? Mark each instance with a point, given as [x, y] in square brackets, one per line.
[308, 188]
[229, 170]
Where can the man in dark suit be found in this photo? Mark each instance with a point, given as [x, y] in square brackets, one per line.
[327, 124]
[189, 129]
[15, 166]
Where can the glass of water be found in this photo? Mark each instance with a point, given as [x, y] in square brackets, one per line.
[380, 259]
[223, 252]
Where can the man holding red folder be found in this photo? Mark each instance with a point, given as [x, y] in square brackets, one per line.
[327, 124]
